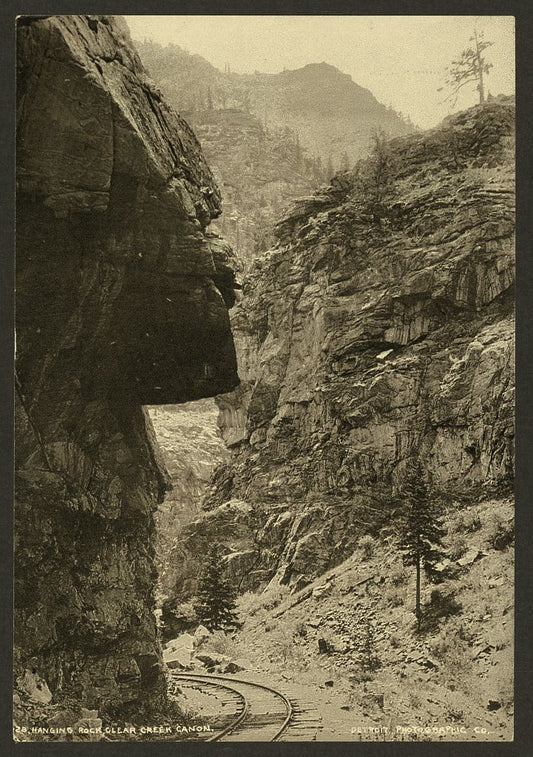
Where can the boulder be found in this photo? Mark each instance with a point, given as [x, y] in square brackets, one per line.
[322, 590]
[184, 641]
[231, 667]
[35, 687]
[471, 556]
[201, 635]
[211, 660]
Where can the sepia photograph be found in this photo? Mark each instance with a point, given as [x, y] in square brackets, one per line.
[264, 378]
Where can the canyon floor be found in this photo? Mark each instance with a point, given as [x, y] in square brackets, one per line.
[380, 679]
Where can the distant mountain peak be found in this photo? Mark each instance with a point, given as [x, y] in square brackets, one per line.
[316, 70]
[311, 67]
[333, 116]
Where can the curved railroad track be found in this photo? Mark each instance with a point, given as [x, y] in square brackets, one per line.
[260, 713]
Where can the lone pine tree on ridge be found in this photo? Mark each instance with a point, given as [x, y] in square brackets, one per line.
[470, 67]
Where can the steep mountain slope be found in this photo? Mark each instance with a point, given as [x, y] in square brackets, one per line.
[347, 642]
[332, 114]
[122, 300]
[372, 334]
[259, 171]
[269, 138]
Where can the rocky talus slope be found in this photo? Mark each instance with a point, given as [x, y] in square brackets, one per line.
[122, 300]
[373, 333]
[379, 680]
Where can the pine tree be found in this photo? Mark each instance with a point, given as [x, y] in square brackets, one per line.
[381, 168]
[470, 68]
[421, 539]
[215, 598]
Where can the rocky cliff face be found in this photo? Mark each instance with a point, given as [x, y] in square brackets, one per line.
[122, 298]
[374, 332]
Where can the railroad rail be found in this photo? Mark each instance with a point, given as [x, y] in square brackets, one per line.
[261, 713]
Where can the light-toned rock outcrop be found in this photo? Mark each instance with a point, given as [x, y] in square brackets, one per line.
[122, 298]
[192, 448]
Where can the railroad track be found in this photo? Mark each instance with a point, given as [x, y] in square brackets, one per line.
[258, 712]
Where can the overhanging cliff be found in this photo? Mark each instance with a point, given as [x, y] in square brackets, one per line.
[122, 300]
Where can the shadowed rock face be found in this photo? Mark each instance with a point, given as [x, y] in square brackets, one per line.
[370, 337]
[122, 300]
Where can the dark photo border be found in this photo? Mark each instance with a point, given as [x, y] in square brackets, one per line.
[521, 9]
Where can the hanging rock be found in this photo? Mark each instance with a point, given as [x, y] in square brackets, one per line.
[122, 301]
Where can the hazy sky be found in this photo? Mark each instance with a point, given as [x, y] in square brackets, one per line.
[401, 59]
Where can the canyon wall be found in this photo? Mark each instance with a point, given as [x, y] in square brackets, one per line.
[379, 329]
[122, 300]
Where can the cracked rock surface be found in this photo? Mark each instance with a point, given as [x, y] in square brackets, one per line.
[122, 300]
[368, 336]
